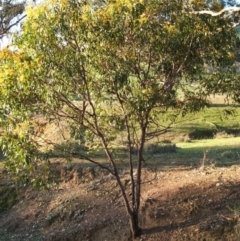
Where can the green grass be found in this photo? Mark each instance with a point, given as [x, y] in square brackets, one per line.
[208, 123]
[214, 117]
[210, 143]
[220, 152]
[212, 129]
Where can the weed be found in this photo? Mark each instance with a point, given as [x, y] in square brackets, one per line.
[235, 209]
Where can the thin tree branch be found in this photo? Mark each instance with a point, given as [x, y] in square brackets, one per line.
[130, 148]
[212, 13]
[6, 30]
[80, 156]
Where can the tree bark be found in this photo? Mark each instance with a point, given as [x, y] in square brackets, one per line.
[134, 225]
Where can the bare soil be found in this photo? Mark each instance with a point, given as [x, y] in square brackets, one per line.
[177, 204]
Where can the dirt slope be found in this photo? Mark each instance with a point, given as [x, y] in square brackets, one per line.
[176, 205]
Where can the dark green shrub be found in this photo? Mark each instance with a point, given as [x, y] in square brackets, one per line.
[161, 148]
[202, 134]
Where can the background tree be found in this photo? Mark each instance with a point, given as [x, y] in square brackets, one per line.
[108, 70]
[11, 14]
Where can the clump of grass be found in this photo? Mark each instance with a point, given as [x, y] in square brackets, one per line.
[235, 209]
[223, 134]
[161, 147]
[229, 154]
[8, 198]
[237, 231]
[184, 138]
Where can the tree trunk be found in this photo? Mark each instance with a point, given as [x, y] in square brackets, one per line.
[134, 225]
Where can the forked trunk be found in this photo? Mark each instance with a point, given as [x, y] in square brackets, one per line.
[134, 225]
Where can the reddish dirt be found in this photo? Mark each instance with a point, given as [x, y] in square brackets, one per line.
[180, 204]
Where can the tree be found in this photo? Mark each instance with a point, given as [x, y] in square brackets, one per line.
[113, 68]
[11, 14]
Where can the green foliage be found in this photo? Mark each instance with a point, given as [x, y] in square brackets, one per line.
[23, 161]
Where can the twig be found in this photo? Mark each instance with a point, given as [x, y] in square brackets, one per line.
[212, 13]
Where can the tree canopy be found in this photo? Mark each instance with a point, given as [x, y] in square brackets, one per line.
[111, 68]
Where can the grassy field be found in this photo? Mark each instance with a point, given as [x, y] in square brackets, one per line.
[215, 121]
[213, 132]
[218, 152]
